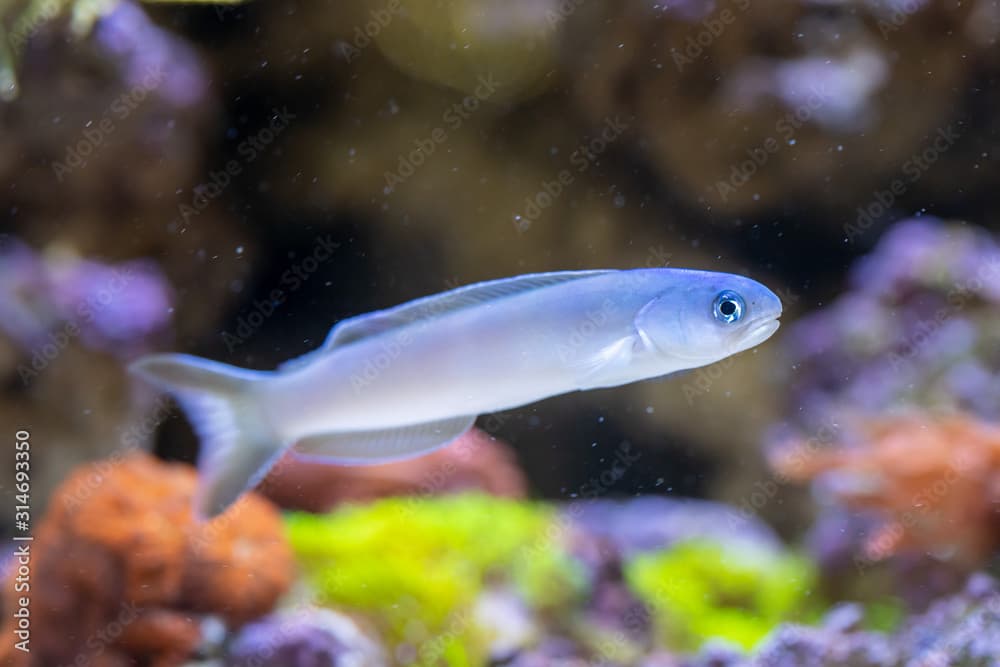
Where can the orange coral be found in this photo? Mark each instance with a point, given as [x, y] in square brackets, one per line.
[237, 564]
[121, 571]
[936, 480]
[473, 461]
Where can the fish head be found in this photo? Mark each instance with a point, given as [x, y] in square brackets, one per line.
[709, 316]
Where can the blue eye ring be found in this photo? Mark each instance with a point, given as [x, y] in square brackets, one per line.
[729, 307]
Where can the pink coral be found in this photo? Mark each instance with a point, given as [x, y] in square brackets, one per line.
[474, 461]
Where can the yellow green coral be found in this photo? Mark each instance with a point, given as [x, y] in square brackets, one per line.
[418, 566]
[699, 590]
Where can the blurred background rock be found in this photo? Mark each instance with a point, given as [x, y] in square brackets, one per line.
[436, 143]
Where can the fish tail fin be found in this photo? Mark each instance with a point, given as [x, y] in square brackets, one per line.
[238, 445]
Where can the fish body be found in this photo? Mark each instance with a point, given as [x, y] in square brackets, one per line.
[502, 354]
[406, 380]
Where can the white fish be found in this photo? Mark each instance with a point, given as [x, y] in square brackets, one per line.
[401, 382]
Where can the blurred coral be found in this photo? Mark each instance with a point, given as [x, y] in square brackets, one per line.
[66, 324]
[48, 300]
[914, 339]
[610, 537]
[464, 43]
[958, 631]
[934, 481]
[419, 568]
[120, 568]
[653, 523]
[552, 652]
[475, 461]
[962, 630]
[104, 139]
[919, 326]
[304, 637]
[700, 590]
[839, 641]
[102, 129]
[748, 111]
[445, 141]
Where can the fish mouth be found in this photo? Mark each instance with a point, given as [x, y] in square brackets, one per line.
[754, 336]
[759, 333]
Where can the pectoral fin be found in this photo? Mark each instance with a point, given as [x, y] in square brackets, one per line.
[605, 368]
[382, 446]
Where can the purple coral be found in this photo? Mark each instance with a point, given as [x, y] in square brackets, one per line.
[608, 533]
[962, 630]
[959, 631]
[153, 59]
[25, 309]
[115, 304]
[919, 327]
[654, 522]
[111, 307]
[308, 637]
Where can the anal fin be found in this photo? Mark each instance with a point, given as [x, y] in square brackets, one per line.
[381, 446]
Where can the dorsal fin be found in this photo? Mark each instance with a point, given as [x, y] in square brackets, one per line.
[370, 324]
[380, 321]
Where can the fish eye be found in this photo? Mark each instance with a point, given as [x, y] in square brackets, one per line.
[729, 307]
